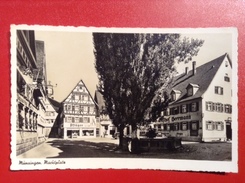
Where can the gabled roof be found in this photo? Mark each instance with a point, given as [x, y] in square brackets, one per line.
[202, 78]
[75, 87]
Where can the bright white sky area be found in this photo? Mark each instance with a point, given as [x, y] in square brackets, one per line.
[70, 58]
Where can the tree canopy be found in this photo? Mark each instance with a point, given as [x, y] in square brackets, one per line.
[133, 68]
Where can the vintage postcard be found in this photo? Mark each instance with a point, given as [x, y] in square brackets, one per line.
[124, 98]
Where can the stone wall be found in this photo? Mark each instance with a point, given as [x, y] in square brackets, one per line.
[26, 140]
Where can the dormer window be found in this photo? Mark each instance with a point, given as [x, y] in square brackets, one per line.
[192, 89]
[175, 94]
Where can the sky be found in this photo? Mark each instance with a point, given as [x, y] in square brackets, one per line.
[70, 57]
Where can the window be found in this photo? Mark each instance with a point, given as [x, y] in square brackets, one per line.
[194, 125]
[88, 109]
[219, 125]
[219, 107]
[227, 79]
[218, 90]
[73, 97]
[72, 120]
[184, 126]
[81, 119]
[194, 106]
[176, 126]
[228, 108]
[209, 106]
[173, 96]
[76, 119]
[69, 119]
[86, 119]
[73, 108]
[184, 108]
[190, 91]
[209, 125]
[168, 127]
[176, 110]
[81, 108]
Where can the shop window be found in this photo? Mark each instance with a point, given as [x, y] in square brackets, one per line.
[209, 125]
[88, 132]
[218, 90]
[209, 106]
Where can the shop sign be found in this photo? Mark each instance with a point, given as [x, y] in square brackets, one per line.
[77, 125]
[180, 118]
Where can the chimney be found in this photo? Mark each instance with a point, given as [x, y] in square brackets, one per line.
[194, 68]
[186, 70]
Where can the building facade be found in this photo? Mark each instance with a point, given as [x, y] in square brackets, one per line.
[78, 114]
[107, 129]
[201, 103]
[33, 107]
[28, 91]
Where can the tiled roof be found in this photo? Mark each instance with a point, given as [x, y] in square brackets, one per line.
[55, 104]
[202, 78]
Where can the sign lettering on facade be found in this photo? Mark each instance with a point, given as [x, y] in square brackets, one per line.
[181, 118]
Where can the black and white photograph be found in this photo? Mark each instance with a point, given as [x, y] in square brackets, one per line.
[124, 98]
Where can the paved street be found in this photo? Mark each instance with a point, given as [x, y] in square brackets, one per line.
[105, 147]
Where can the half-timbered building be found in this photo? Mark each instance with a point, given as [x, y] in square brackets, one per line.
[78, 119]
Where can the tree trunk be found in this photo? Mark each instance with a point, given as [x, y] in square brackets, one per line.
[121, 128]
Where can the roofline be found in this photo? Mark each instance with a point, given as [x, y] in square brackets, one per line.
[74, 88]
[179, 102]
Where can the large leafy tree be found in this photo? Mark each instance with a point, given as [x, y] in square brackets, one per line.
[133, 68]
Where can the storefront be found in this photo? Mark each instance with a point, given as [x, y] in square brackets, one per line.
[79, 130]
